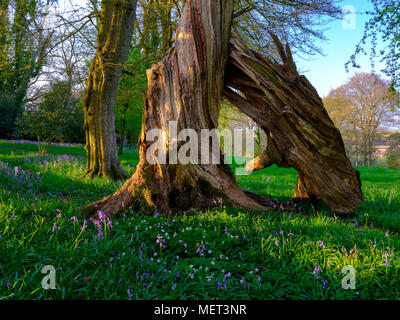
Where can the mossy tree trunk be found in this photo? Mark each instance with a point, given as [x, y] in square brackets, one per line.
[117, 23]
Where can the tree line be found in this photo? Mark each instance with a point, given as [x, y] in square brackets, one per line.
[364, 109]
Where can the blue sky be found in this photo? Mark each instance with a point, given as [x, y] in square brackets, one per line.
[328, 72]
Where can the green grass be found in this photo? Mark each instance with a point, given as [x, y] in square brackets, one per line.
[246, 254]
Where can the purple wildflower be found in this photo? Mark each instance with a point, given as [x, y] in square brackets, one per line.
[386, 259]
[200, 248]
[221, 286]
[85, 223]
[321, 244]
[54, 229]
[316, 270]
[109, 223]
[130, 294]
[160, 241]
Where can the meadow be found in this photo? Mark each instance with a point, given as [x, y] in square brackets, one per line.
[221, 253]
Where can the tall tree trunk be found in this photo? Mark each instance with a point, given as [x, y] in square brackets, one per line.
[185, 87]
[117, 23]
[288, 106]
[122, 134]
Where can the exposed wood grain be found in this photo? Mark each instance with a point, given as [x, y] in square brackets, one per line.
[293, 115]
[186, 86]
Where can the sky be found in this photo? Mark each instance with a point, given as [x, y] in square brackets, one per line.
[328, 72]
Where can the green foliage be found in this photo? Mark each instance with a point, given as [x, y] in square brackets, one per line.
[153, 37]
[22, 50]
[231, 118]
[257, 255]
[130, 97]
[393, 154]
[58, 118]
[393, 160]
[8, 110]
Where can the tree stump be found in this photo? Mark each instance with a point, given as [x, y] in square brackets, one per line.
[185, 88]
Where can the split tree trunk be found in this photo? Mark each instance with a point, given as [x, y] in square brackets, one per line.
[117, 23]
[185, 87]
[291, 111]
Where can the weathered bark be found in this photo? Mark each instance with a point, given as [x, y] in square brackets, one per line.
[288, 106]
[185, 87]
[300, 191]
[115, 35]
[268, 156]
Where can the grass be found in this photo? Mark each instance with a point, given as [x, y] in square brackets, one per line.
[223, 253]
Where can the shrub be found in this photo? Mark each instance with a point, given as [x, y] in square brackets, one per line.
[58, 118]
[393, 160]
